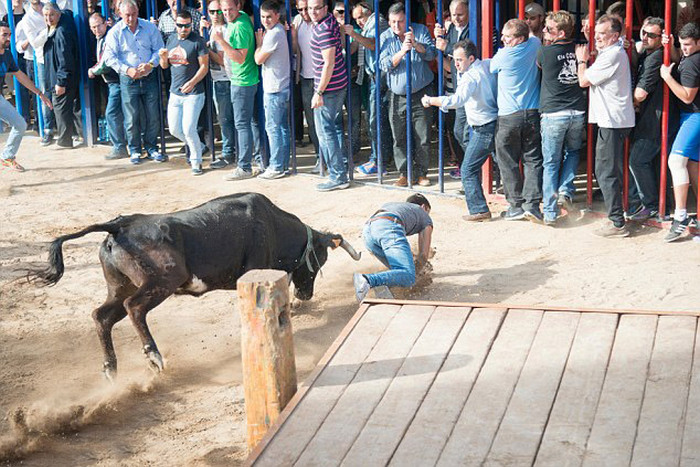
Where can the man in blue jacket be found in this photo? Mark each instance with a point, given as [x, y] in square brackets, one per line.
[61, 63]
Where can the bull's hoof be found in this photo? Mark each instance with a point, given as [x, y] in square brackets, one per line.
[155, 361]
[110, 372]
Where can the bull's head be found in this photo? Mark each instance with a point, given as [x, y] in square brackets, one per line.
[305, 275]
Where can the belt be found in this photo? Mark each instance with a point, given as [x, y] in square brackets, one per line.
[387, 217]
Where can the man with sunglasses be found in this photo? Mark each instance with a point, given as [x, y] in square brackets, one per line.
[646, 139]
[188, 56]
[167, 19]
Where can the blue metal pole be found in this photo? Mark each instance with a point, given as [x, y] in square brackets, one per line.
[378, 93]
[149, 10]
[209, 92]
[105, 10]
[497, 21]
[441, 117]
[348, 103]
[39, 104]
[161, 113]
[292, 123]
[13, 50]
[86, 92]
[409, 114]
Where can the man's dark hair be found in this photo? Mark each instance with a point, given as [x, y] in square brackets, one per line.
[519, 28]
[469, 48]
[615, 24]
[97, 14]
[3, 24]
[184, 14]
[396, 8]
[270, 5]
[690, 31]
[655, 21]
[418, 199]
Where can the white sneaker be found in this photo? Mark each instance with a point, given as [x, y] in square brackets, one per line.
[238, 174]
[361, 286]
[271, 174]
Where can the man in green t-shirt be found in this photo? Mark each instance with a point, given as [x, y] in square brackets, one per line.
[239, 49]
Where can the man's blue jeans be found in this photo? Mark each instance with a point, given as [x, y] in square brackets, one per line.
[480, 145]
[562, 138]
[9, 115]
[385, 136]
[49, 118]
[387, 241]
[276, 106]
[243, 101]
[140, 104]
[183, 115]
[329, 128]
[224, 110]
[115, 117]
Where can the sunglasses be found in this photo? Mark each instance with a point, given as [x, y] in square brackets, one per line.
[183, 26]
[340, 12]
[650, 35]
[302, 9]
[215, 12]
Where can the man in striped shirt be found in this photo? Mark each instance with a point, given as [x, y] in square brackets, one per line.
[330, 81]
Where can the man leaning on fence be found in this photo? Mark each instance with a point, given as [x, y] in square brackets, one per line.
[132, 51]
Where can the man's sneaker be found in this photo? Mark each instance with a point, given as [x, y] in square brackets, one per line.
[402, 181]
[550, 221]
[424, 181]
[330, 186]
[221, 163]
[677, 230]
[361, 286]
[479, 217]
[609, 230]
[116, 154]
[197, 170]
[533, 215]
[513, 214]
[135, 159]
[566, 202]
[455, 174]
[271, 174]
[47, 140]
[643, 214]
[238, 174]
[12, 164]
[368, 168]
[158, 157]
[317, 168]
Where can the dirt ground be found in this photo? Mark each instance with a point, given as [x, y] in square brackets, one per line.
[55, 407]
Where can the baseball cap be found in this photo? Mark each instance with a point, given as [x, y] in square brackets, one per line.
[534, 9]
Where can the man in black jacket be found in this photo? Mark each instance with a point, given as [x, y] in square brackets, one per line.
[61, 61]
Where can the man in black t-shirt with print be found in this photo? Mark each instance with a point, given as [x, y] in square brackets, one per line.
[563, 110]
[187, 54]
[646, 139]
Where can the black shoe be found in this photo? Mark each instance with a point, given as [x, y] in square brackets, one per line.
[183, 149]
[677, 230]
[513, 214]
[533, 215]
[221, 163]
[113, 155]
[47, 140]
[205, 150]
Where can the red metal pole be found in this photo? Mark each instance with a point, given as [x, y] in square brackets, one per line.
[487, 52]
[556, 5]
[629, 12]
[589, 149]
[521, 9]
[664, 117]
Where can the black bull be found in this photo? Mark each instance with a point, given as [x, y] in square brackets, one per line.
[148, 257]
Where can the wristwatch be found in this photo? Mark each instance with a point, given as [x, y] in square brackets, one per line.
[581, 62]
[319, 93]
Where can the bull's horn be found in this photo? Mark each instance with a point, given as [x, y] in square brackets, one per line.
[351, 251]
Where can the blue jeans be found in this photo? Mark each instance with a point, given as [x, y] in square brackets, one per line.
[9, 115]
[562, 138]
[115, 117]
[140, 104]
[461, 129]
[49, 118]
[183, 115]
[480, 145]
[385, 136]
[387, 241]
[243, 102]
[224, 111]
[276, 106]
[329, 128]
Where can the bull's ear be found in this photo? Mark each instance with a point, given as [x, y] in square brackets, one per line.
[333, 241]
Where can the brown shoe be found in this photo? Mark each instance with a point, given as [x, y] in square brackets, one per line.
[424, 181]
[402, 181]
[480, 217]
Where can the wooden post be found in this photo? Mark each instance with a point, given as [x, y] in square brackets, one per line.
[269, 372]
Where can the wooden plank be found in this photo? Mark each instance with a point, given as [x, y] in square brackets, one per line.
[660, 430]
[429, 430]
[473, 434]
[690, 452]
[339, 430]
[392, 416]
[516, 307]
[336, 373]
[571, 419]
[615, 424]
[523, 424]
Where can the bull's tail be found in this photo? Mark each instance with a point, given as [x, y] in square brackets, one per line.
[54, 271]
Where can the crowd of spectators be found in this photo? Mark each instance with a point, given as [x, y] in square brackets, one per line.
[527, 105]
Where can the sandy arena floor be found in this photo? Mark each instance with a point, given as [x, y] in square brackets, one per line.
[193, 414]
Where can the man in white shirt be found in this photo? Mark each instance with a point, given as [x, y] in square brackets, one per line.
[610, 107]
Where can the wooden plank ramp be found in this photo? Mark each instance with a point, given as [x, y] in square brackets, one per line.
[422, 383]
